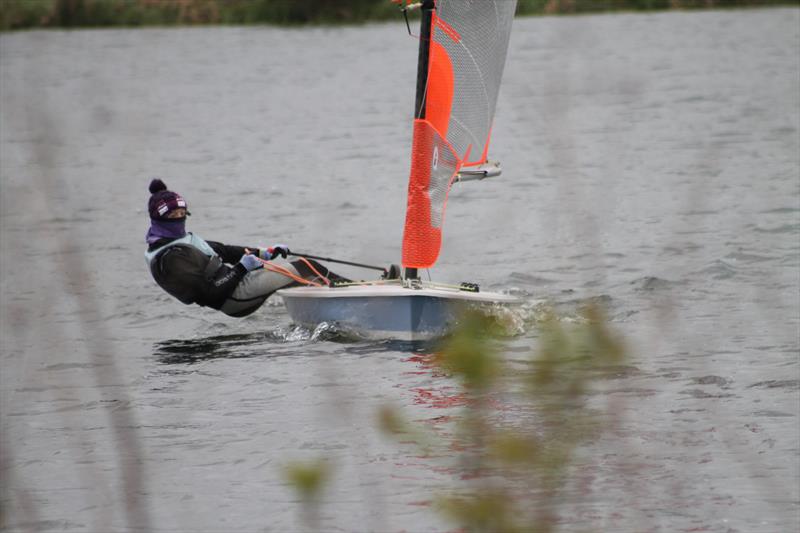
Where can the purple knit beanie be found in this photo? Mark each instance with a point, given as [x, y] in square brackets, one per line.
[163, 201]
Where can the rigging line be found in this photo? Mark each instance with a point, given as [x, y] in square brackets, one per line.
[315, 271]
[341, 261]
[408, 25]
[405, 9]
[286, 272]
[424, 98]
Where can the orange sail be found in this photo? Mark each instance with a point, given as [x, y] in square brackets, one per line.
[462, 54]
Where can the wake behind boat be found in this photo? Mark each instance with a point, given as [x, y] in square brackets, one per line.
[462, 51]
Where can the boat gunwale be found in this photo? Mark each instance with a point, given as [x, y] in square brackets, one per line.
[370, 290]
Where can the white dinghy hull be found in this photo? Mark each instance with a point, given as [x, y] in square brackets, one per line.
[386, 311]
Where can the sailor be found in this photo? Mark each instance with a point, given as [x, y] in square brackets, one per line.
[229, 278]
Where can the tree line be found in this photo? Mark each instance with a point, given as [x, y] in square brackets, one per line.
[22, 14]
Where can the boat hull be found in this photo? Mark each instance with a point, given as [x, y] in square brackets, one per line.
[386, 312]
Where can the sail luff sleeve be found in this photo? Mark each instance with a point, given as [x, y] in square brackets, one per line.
[422, 59]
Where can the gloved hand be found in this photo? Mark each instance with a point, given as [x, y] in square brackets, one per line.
[251, 262]
[273, 251]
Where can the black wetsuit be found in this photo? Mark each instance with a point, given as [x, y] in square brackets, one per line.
[194, 277]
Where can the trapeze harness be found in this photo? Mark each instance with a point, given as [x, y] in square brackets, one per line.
[195, 272]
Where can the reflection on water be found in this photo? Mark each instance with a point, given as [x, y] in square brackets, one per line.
[245, 345]
[432, 387]
[367, 348]
[270, 343]
[190, 351]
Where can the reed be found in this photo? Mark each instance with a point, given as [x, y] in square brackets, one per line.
[508, 475]
[512, 474]
[308, 479]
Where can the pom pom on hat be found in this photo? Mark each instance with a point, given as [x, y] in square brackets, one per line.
[163, 201]
[157, 185]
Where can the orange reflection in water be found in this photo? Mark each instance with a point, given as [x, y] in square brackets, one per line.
[443, 396]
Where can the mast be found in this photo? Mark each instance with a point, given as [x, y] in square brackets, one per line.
[424, 53]
[422, 77]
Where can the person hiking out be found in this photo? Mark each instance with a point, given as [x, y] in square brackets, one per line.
[231, 279]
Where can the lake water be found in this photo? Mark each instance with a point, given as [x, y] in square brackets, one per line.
[652, 162]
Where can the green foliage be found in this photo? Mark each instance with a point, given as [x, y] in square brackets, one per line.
[24, 13]
[489, 511]
[512, 471]
[567, 358]
[308, 479]
[470, 355]
[17, 14]
[87, 13]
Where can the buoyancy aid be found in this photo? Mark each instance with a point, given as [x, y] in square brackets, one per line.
[190, 239]
[191, 271]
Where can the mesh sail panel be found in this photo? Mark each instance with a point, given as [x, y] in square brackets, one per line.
[475, 35]
[433, 165]
[469, 40]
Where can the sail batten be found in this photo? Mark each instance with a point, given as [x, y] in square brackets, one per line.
[462, 54]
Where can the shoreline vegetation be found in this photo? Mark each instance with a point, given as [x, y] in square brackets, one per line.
[30, 14]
